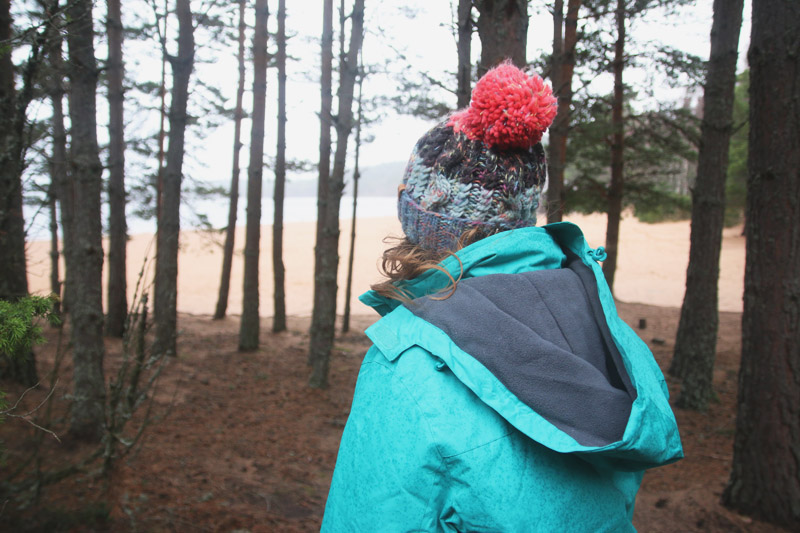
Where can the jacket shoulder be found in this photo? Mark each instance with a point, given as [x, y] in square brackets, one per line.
[446, 403]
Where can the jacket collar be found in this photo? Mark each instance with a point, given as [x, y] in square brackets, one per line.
[508, 252]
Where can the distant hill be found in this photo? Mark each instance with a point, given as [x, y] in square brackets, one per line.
[378, 180]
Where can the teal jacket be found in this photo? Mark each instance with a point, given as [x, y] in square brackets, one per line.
[522, 402]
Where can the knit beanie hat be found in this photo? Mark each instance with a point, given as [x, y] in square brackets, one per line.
[482, 167]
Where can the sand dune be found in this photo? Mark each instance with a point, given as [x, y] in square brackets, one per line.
[651, 266]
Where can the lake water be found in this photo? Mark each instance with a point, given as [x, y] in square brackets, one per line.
[296, 209]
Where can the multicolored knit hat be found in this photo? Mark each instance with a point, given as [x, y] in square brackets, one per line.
[484, 166]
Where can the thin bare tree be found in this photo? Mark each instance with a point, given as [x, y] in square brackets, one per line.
[324, 166]
[327, 249]
[617, 183]
[565, 39]
[117, 288]
[464, 45]
[233, 201]
[166, 278]
[162, 129]
[356, 175]
[278, 269]
[58, 158]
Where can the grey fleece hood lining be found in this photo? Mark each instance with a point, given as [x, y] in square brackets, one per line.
[543, 334]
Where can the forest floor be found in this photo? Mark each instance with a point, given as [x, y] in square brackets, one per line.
[240, 443]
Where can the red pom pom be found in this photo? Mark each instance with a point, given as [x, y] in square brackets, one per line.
[509, 109]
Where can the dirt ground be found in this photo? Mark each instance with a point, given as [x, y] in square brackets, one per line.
[242, 444]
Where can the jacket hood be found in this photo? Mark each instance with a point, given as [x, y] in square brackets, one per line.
[533, 331]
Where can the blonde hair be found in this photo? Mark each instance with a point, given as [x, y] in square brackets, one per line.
[406, 261]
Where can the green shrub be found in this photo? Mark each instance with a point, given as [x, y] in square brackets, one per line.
[19, 330]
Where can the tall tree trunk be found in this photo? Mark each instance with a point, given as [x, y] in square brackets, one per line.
[696, 342]
[765, 479]
[615, 188]
[13, 279]
[116, 296]
[324, 167]
[58, 159]
[166, 280]
[85, 261]
[503, 30]
[249, 327]
[464, 74]
[327, 249]
[230, 232]
[356, 175]
[20, 367]
[563, 66]
[279, 317]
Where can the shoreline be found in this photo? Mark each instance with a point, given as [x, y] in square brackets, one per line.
[651, 264]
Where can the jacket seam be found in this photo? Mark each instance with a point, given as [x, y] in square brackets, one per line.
[487, 443]
[387, 367]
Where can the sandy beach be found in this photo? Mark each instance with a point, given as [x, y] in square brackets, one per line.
[651, 266]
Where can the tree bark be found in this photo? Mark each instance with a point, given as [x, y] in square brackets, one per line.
[279, 271]
[503, 30]
[765, 478]
[696, 342]
[563, 66]
[20, 367]
[13, 279]
[327, 249]
[617, 184]
[249, 327]
[116, 296]
[356, 175]
[85, 261]
[58, 159]
[464, 53]
[230, 232]
[324, 167]
[166, 279]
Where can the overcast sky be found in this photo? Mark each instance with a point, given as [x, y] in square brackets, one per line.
[422, 31]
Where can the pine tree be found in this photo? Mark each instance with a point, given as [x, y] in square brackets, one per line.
[464, 45]
[356, 177]
[327, 249]
[116, 295]
[279, 272]
[233, 195]
[565, 38]
[616, 186]
[503, 30]
[166, 278]
[58, 157]
[765, 478]
[249, 330]
[13, 275]
[85, 261]
[696, 342]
